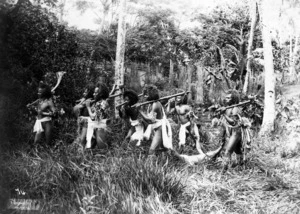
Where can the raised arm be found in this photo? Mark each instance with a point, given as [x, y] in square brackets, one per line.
[170, 110]
[154, 111]
[88, 106]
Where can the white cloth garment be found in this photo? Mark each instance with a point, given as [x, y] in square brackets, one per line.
[166, 130]
[92, 125]
[38, 124]
[139, 131]
[182, 133]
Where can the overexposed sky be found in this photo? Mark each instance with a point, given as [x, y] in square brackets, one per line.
[86, 19]
[184, 9]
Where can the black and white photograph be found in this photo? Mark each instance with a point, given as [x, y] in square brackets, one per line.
[149, 106]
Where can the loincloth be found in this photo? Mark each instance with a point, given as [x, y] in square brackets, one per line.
[38, 124]
[139, 131]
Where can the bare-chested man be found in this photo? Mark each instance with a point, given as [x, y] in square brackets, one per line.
[45, 110]
[185, 118]
[82, 113]
[158, 123]
[230, 132]
[99, 114]
[136, 130]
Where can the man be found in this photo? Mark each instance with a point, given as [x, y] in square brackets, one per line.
[82, 113]
[185, 117]
[46, 111]
[99, 114]
[136, 130]
[230, 128]
[157, 120]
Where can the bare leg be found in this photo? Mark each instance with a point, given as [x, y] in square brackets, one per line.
[197, 138]
[239, 152]
[156, 141]
[38, 137]
[230, 147]
[82, 137]
[130, 132]
[101, 138]
[48, 131]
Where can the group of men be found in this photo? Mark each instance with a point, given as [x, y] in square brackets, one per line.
[93, 113]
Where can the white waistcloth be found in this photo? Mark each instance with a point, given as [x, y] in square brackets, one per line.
[182, 133]
[139, 131]
[166, 130]
[92, 125]
[38, 124]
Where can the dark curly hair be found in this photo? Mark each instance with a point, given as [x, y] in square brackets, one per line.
[47, 94]
[90, 88]
[152, 92]
[132, 96]
[235, 95]
[103, 91]
[184, 99]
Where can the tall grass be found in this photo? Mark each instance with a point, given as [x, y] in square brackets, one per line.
[123, 179]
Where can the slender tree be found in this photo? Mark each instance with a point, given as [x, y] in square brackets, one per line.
[253, 8]
[120, 53]
[269, 103]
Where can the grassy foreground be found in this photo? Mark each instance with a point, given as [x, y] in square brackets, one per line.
[125, 180]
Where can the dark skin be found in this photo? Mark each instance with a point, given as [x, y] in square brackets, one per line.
[100, 134]
[77, 108]
[133, 116]
[155, 110]
[182, 112]
[234, 143]
[45, 108]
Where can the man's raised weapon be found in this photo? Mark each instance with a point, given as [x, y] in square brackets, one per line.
[162, 98]
[59, 76]
[252, 99]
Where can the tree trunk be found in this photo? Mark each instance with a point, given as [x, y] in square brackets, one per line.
[188, 86]
[199, 84]
[171, 73]
[120, 53]
[182, 76]
[135, 82]
[250, 44]
[291, 50]
[292, 69]
[148, 73]
[211, 92]
[269, 102]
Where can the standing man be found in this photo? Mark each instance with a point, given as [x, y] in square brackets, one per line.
[136, 130]
[45, 111]
[185, 118]
[99, 114]
[231, 131]
[158, 122]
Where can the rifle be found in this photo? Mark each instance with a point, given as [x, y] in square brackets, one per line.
[163, 98]
[251, 100]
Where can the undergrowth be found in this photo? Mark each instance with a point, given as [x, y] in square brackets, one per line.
[123, 179]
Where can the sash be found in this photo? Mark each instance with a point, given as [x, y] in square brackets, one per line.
[92, 125]
[38, 128]
[182, 133]
[139, 131]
